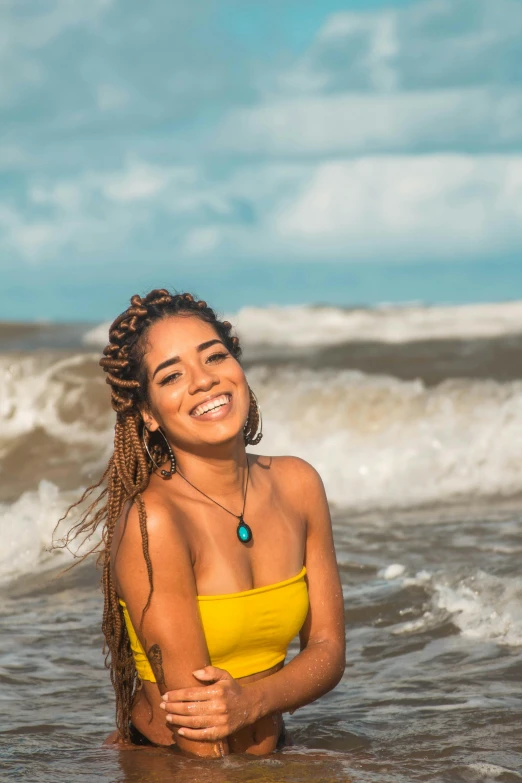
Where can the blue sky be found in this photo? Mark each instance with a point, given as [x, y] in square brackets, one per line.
[258, 152]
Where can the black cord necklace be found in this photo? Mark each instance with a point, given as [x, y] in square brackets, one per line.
[244, 533]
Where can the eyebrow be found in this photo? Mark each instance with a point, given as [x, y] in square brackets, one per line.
[176, 359]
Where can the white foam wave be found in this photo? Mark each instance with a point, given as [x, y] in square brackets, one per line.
[27, 530]
[379, 442]
[63, 397]
[302, 325]
[97, 336]
[392, 571]
[484, 607]
[483, 771]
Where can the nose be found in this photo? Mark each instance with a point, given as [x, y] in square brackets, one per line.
[203, 378]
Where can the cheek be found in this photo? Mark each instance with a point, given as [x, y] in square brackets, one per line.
[240, 381]
[245, 402]
[165, 402]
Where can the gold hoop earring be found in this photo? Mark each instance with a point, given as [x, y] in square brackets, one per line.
[253, 429]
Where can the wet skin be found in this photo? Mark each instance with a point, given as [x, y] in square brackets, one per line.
[211, 537]
[257, 739]
[193, 545]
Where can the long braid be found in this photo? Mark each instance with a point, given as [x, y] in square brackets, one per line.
[128, 471]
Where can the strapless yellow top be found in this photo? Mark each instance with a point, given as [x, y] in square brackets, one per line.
[246, 632]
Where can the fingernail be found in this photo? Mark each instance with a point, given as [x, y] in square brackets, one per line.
[162, 705]
[164, 697]
[169, 718]
[199, 671]
[181, 732]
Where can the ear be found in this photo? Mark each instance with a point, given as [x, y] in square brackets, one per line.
[148, 419]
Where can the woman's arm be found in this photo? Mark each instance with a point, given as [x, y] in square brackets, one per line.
[171, 634]
[321, 663]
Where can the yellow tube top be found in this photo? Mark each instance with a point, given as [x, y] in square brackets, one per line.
[246, 632]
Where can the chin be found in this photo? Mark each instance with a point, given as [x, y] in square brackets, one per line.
[223, 436]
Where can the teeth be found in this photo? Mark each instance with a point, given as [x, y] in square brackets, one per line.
[211, 405]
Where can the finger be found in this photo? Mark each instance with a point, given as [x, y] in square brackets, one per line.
[193, 707]
[212, 673]
[211, 733]
[196, 721]
[201, 693]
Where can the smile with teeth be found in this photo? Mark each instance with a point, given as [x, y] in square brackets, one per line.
[211, 405]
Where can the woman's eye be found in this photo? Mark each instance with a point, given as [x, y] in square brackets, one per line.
[214, 358]
[173, 377]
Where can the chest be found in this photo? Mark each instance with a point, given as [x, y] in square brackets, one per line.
[224, 564]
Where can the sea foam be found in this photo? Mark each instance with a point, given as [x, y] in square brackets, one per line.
[484, 607]
[302, 325]
[378, 442]
[27, 530]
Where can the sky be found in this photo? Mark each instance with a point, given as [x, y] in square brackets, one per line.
[258, 152]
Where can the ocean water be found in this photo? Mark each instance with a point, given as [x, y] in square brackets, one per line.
[413, 416]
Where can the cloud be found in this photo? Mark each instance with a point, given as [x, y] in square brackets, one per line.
[433, 44]
[440, 206]
[434, 76]
[119, 66]
[110, 97]
[139, 203]
[336, 124]
[24, 37]
[138, 182]
[386, 207]
[140, 133]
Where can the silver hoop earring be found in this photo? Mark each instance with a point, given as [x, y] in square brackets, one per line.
[165, 474]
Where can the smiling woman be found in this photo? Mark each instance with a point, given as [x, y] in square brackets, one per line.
[213, 559]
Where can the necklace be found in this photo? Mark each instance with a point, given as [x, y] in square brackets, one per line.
[244, 533]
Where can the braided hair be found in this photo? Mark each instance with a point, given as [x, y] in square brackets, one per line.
[128, 471]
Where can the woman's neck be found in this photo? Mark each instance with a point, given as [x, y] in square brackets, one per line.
[221, 473]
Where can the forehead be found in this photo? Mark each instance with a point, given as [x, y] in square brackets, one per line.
[175, 335]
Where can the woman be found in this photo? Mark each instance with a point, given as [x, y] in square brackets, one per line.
[213, 559]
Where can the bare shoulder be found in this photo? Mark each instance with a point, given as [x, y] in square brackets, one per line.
[297, 476]
[153, 518]
[160, 515]
[291, 467]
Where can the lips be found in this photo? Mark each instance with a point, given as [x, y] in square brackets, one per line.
[211, 404]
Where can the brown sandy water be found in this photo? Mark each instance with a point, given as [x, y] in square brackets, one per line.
[423, 474]
[433, 608]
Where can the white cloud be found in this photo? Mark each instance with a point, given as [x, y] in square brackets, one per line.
[433, 76]
[378, 142]
[111, 98]
[66, 196]
[428, 45]
[100, 211]
[138, 182]
[12, 156]
[360, 45]
[368, 122]
[416, 207]
[24, 34]
[386, 207]
[202, 241]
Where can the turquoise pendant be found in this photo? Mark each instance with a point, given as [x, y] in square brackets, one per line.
[243, 531]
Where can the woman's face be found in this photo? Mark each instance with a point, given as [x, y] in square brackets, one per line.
[198, 392]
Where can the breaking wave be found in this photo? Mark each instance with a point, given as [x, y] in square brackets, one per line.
[302, 325]
[484, 607]
[377, 441]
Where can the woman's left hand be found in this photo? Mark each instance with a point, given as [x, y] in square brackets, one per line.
[209, 712]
